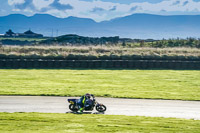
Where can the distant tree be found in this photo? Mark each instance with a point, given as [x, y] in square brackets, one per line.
[142, 43]
[124, 44]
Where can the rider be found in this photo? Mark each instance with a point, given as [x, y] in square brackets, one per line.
[82, 101]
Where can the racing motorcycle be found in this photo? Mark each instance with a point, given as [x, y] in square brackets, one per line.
[90, 105]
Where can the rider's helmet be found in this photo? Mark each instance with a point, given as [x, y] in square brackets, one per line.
[87, 95]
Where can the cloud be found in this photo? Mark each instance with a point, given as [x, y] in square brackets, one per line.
[57, 13]
[97, 9]
[134, 8]
[34, 5]
[39, 4]
[26, 4]
[185, 3]
[176, 3]
[104, 10]
[56, 4]
[113, 8]
[13, 2]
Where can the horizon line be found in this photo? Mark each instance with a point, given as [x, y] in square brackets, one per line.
[95, 20]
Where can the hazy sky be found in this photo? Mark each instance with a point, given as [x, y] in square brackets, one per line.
[99, 10]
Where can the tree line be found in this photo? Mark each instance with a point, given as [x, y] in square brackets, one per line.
[125, 42]
[188, 42]
[76, 40]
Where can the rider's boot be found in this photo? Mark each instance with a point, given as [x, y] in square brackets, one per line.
[81, 110]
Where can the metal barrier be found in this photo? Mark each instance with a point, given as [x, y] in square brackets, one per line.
[116, 64]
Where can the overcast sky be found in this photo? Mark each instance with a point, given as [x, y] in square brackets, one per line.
[99, 10]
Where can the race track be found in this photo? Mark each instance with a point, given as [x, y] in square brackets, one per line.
[115, 106]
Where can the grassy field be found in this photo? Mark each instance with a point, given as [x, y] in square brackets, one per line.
[156, 84]
[40, 122]
[98, 51]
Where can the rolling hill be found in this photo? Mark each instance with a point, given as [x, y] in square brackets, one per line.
[133, 26]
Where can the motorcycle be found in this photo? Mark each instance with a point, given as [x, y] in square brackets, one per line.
[89, 106]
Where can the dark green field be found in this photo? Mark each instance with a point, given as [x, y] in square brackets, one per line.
[40, 122]
[23, 39]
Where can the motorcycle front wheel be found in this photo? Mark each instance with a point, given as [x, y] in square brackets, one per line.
[101, 108]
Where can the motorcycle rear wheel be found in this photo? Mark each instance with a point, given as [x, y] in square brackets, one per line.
[101, 108]
[72, 108]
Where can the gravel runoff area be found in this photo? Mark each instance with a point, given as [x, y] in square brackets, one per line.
[115, 106]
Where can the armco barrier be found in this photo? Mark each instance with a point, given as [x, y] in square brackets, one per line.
[105, 64]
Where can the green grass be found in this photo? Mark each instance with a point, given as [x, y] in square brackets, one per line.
[41, 122]
[156, 84]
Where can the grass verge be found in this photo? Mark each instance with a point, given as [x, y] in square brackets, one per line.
[98, 53]
[155, 84]
[41, 122]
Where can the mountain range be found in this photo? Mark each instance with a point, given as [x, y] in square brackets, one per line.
[141, 26]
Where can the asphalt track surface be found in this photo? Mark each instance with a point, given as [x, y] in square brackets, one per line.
[115, 106]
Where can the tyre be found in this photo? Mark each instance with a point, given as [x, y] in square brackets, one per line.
[101, 108]
[73, 108]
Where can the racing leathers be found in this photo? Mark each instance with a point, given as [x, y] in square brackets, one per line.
[82, 101]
